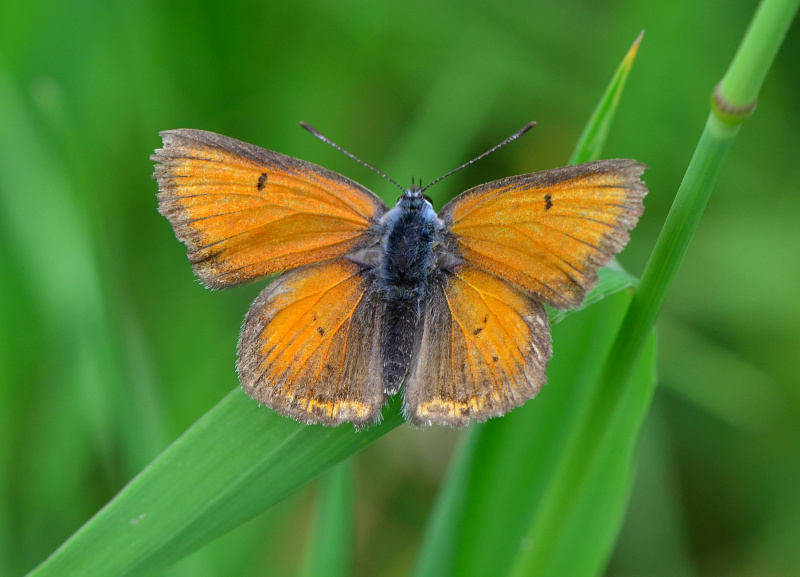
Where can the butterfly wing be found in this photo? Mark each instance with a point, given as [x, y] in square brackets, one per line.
[245, 212]
[481, 350]
[549, 232]
[310, 345]
[484, 340]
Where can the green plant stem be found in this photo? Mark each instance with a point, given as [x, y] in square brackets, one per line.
[754, 57]
[667, 256]
[741, 82]
[731, 105]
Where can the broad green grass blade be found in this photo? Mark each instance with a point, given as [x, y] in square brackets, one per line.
[522, 454]
[330, 550]
[236, 461]
[612, 279]
[438, 556]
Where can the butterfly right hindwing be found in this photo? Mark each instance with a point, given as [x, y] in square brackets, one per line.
[482, 349]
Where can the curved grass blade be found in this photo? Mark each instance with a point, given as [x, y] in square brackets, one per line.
[522, 454]
[236, 461]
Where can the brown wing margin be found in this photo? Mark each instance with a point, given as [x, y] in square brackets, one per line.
[482, 349]
[310, 345]
[549, 232]
[245, 212]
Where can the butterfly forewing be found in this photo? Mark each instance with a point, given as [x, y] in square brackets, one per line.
[549, 232]
[245, 212]
[310, 345]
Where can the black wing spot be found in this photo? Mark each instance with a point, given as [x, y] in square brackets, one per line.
[477, 331]
[548, 201]
[321, 331]
[262, 181]
[495, 359]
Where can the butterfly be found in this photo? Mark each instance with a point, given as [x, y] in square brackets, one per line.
[369, 299]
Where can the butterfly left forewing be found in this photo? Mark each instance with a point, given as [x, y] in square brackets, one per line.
[245, 212]
[482, 349]
[310, 345]
[549, 232]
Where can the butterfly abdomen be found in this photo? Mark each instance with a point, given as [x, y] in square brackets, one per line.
[406, 265]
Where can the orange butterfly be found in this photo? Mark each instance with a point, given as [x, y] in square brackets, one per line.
[450, 306]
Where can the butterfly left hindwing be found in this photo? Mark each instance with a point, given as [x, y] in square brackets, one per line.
[310, 345]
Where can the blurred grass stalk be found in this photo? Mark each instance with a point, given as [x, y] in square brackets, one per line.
[330, 550]
[732, 102]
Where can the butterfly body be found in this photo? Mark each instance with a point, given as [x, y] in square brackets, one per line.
[368, 299]
[406, 264]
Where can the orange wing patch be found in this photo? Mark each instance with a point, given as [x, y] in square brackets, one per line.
[245, 212]
[482, 350]
[310, 345]
[548, 232]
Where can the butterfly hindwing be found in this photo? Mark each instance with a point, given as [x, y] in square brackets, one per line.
[245, 212]
[482, 349]
[549, 232]
[310, 345]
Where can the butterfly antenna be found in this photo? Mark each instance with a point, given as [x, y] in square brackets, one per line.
[324, 138]
[511, 138]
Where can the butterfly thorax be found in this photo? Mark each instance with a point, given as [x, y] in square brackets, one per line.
[411, 228]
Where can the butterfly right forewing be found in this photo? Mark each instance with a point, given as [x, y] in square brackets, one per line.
[549, 232]
[245, 212]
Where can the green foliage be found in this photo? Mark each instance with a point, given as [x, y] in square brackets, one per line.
[109, 351]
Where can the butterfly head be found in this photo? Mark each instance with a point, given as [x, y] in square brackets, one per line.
[414, 199]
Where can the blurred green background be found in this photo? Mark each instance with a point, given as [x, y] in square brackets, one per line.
[109, 348]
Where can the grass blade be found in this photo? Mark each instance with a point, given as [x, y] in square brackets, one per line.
[595, 134]
[236, 461]
[440, 542]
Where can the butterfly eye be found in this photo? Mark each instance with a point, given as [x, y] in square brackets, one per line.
[428, 198]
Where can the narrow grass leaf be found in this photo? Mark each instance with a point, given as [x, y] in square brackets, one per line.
[595, 134]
